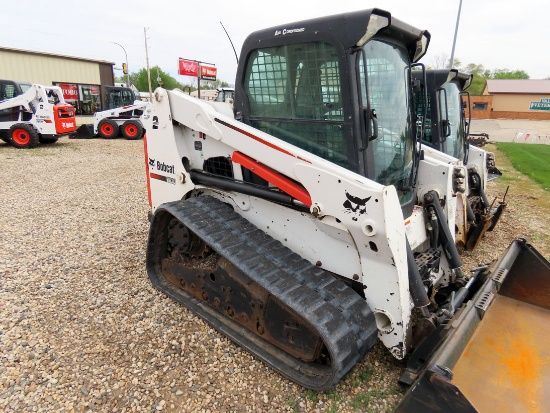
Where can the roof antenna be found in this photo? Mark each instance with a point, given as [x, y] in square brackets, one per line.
[234, 51]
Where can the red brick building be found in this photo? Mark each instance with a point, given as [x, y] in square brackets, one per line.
[512, 99]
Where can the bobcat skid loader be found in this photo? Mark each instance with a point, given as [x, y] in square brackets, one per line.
[122, 117]
[438, 102]
[308, 226]
[37, 115]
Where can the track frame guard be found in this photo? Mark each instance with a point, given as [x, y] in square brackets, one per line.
[521, 274]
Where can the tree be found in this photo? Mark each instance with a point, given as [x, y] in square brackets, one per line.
[139, 80]
[478, 83]
[477, 70]
[509, 74]
[481, 74]
[441, 61]
[132, 76]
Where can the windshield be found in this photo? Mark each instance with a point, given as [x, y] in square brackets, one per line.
[455, 141]
[388, 83]
[295, 94]
[224, 95]
[24, 87]
[119, 97]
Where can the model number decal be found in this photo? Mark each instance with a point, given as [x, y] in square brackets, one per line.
[163, 178]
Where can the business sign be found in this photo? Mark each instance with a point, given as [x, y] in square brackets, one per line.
[188, 68]
[543, 104]
[70, 91]
[208, 72]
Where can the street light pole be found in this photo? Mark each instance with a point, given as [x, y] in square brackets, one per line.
[127, 70]
[454, 40]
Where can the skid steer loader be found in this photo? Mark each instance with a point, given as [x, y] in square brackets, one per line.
[38, 114]
[310, 224]
[438, 101]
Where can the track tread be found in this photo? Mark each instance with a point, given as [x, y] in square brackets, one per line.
[340, 315]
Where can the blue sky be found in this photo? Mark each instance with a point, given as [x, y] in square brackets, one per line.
[495, 33]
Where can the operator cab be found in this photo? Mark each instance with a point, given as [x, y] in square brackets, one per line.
[338, 87]
[10, 89]
[225, 94]
[117, 97]
[440, 97]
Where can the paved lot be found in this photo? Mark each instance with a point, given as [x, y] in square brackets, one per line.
[513, 130]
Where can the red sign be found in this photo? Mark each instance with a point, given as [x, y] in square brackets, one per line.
[70, 91]
[188, 68]
[94, 90]
[208, 72]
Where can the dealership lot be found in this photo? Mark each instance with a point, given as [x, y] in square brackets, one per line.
[81, 327]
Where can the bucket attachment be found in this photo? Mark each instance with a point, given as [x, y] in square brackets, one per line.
[493, 173]
[84, 132]
[478, 139]
[493, 355]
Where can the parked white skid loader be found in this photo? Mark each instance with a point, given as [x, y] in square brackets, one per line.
[438, 101]
[125, 120]
[310, 225]
[39, 115]
[122, 116]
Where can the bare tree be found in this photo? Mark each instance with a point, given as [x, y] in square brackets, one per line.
[441, 61]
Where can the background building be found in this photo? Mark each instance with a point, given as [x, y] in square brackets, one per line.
[83, 81]
[513, 99]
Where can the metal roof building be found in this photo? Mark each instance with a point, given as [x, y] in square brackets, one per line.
[82, 80]
[513, 99]
[517, 86]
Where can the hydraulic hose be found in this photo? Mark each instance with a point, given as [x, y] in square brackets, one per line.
[470, 211]
[416, 286]
[431, 200]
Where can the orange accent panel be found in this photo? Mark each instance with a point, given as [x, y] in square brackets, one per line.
[273, 177]
[65, 120]
[146, 154]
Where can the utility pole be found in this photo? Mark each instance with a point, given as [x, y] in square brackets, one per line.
[454, 40]
[147, 61]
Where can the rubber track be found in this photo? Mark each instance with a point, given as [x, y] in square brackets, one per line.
[342, 318]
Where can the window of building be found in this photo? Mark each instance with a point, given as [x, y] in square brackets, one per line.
[480, 106]
[85, 98]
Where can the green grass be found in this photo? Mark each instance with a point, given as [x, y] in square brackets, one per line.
[530, 159]
[293, 404]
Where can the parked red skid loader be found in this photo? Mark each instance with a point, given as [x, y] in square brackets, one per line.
[38, 115]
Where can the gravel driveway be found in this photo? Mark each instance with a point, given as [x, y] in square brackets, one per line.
[81, 327]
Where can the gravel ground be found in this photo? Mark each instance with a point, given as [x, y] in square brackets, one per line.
[81, 327]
